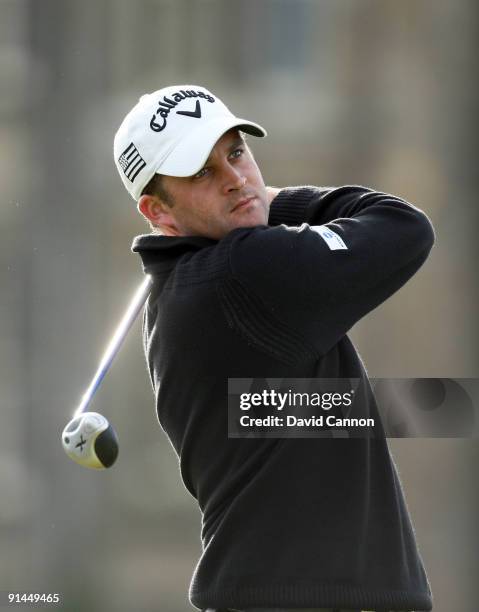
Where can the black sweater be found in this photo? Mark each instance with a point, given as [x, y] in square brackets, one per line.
[285, 522]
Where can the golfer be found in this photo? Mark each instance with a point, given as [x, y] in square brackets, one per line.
[255, 282]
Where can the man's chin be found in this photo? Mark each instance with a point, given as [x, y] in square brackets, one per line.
[252, 222]
[249, 215]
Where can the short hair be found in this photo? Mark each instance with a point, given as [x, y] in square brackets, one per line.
[155, 187]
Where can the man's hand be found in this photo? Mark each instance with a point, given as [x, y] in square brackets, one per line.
[271, 193]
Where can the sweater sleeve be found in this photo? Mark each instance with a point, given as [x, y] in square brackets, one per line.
[355, 248]
[292, 204]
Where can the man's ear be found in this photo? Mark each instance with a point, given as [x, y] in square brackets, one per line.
[158, 213]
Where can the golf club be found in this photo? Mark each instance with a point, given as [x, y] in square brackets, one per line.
[88, 438]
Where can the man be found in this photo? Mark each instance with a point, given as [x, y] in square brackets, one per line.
[256, 282]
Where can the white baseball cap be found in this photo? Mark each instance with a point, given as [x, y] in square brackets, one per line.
[172, 131]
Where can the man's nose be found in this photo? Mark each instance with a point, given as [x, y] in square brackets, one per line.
[233, 179]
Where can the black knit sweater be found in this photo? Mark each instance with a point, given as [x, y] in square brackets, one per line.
[286, 522]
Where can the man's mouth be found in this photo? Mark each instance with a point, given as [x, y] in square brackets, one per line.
[243, 203]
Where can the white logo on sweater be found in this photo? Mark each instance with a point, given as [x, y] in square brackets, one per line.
[333, 240]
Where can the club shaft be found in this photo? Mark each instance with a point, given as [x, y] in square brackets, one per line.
[129, 317]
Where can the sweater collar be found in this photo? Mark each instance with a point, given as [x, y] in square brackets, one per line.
[161, 252]
[157, 242]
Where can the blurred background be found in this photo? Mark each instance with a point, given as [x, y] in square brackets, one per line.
[373, 92]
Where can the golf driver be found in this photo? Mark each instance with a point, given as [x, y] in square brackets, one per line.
[89, 439]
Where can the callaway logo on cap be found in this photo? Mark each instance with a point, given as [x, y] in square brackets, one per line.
[172, 131]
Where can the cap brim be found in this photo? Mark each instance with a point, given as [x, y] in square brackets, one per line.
[190, 155]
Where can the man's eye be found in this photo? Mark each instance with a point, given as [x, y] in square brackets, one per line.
[201, 173]
[237, 152]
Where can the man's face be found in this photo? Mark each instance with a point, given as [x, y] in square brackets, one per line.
[228, 192]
